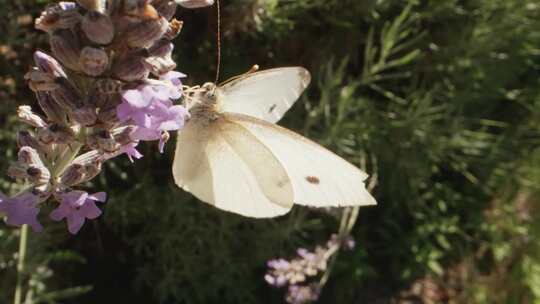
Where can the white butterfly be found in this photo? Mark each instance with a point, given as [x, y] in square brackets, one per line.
[231, 155]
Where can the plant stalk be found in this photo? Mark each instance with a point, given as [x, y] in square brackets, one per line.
[23, 241]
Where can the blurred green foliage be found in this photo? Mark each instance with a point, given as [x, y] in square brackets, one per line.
[441, 99]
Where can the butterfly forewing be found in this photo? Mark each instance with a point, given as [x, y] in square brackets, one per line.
[267, 94]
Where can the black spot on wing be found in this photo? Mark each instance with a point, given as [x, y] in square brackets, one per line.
[313, 180]
[272, 108]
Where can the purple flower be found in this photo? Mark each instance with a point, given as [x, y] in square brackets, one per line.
[76, 207]
[150, 108]
[48, 64]
[279, 264]
[275, 280]
[174, 88]
[349, 243]
[21, 210]
[130, 151]
[306, 255]
[302, 294]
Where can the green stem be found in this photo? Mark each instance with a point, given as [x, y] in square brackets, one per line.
[348, 220]
[23, 240]
[345, 228]
[67, 156]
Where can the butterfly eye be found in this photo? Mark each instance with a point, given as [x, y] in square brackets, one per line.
[209, 91]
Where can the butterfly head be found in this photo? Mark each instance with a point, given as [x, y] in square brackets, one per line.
[209, 93]
[203, 101]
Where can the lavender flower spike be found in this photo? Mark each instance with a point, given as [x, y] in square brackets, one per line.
[77, 206]
[90, 117]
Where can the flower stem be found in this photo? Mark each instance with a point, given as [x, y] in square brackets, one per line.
[67, 156]
[348, 220]
[23, 240]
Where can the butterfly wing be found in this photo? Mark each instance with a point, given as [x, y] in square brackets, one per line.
[319, 177]
[223, 164]
[267, 94]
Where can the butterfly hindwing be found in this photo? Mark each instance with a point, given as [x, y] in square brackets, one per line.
[226, 166]
[319, 177]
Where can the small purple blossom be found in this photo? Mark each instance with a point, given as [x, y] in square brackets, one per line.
[77, 206]
[21, 209]
[150, 108]
[130, 151]
[347, 242]
[297, 272]
[277, 278]
[302, 294]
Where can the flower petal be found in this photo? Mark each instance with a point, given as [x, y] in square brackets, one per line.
[60, 213]
[90, 210]
[136, 98]
[99, 197]
[75, 221]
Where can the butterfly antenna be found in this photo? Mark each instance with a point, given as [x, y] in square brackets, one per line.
[253, 69]
[218, 40]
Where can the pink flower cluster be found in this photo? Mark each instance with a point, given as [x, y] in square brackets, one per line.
[294, 274]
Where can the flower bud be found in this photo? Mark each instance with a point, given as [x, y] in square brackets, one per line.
[98, 28]
[50, 107]
[194, 3]
[92, 142]
[73, 175]
[48, 64]
[57, 134]
[92, 170]
[159, 65]
[90, 157]
[107, 114]
[93, 61]
[40, 81]
[106, 86]
[105, 141]
[25, 114]
[83, 168]
[140, 9]
[17, 170]
[145, 33]
[165, 8]
[122, 135]
[99, 100]
[29, 156]
[66, 95]
[30, 166]
[175, 26]
[85, 115]
[63, 15]
[130, 68]
[24, 138]
[161, 48]
[65, 47]
[38, 175]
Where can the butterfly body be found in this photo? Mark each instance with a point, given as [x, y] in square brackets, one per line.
[231, 154]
